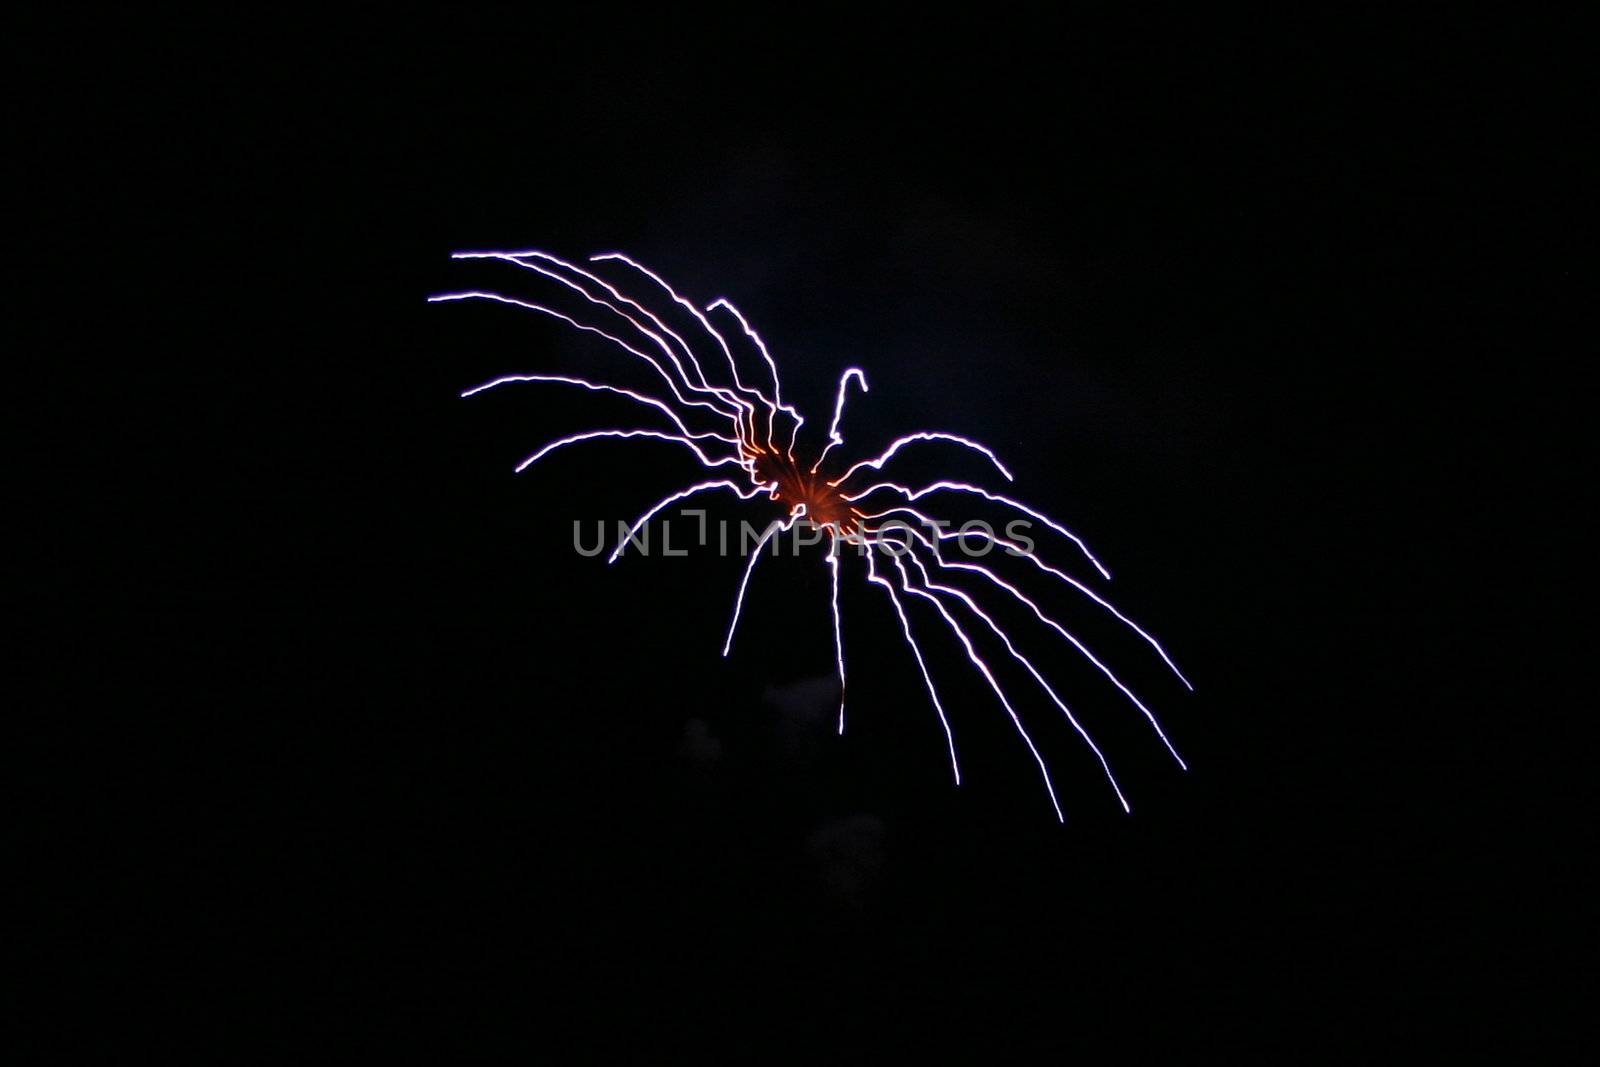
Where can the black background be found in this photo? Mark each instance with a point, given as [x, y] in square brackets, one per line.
[340, 740]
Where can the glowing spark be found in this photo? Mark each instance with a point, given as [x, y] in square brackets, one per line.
[962, 487]
[1028, 664]
[520, 259]
[673, 499]
[777, 387]
[750, 565]
[983, 668]
[601, 387]
[1016, 593]
[692, 384]
[925, 435]
[701, 319]
[838, 636]
[1016, 549]
[592, 434]
[619, 342]
[838, 413]
[916, 650]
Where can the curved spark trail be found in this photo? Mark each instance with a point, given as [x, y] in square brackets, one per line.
[988, 676]
[710, 411]
[593, 434]
[922, 665]
[681, 494]
[972, 606]
[704, 322]
[913, 495]
[777, 388]
[838, 635]
[750, 565]
[925, 435]
[672, 384]
[521, 259]
[600, 387]
[1016, 549]
[838, 413]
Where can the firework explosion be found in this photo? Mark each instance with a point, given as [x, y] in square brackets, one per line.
[756, 432]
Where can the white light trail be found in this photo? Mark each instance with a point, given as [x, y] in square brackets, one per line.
[755, 554]
[913, 495]
[704, 322]
[972, 605]
[601, 387]
[838, 413]
[474, 294]
[681, 494]
[777, 386]
[1016, 593]
[838, 634]
[916, 651]
[521, 259]
[1017, 550]
[655, 434]
[983, 668]
[923, 435]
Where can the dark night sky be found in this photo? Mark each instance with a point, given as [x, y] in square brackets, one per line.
[339, 739]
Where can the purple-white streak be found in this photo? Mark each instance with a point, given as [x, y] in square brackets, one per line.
[521, 259]
[750, 565]
[838, 413]
[913, 495]
[1016, 549]
[655, 434]
[601, 387]
[721, 483]
[916, 651]
[474, 294]
[777, 386]
[923, 435]
[1038, 612]
[838, 634]
[700, 318]
[972, 606]
[1032, 557]
[988, 675]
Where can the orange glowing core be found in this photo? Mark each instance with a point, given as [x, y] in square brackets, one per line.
[796, 484]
